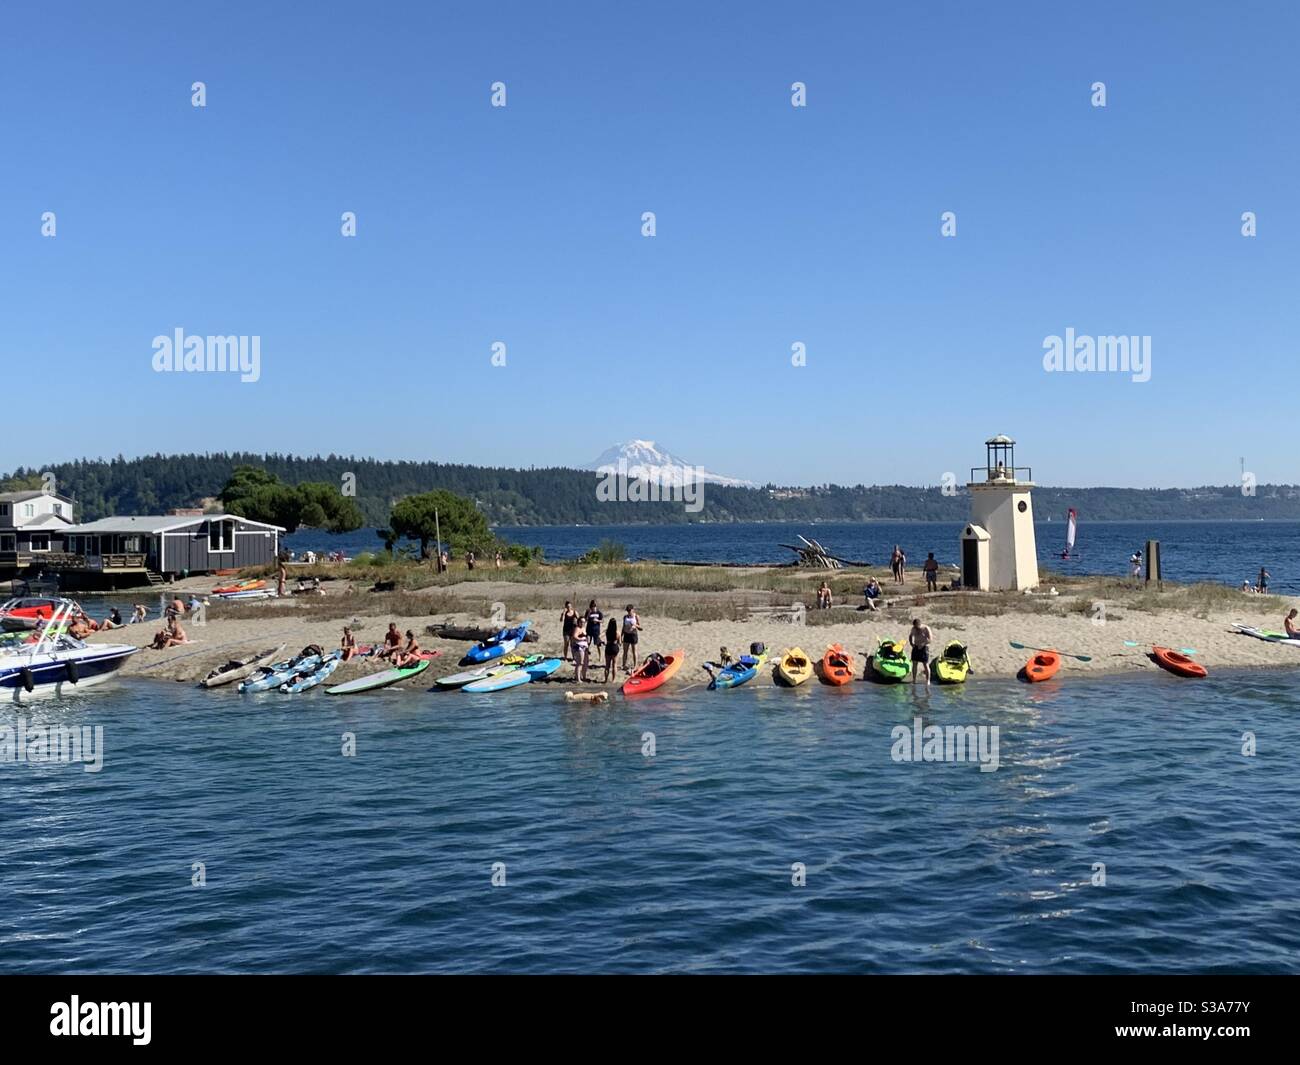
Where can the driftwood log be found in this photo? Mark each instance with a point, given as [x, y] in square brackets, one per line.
[813, 554]
[478, 633]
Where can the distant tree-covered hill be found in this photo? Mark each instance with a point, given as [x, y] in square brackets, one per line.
[556, 496]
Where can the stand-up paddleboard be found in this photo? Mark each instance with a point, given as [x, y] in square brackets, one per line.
[1267, 635]
[511, 678]
[544, 668]
[378, 680]
[469, 676]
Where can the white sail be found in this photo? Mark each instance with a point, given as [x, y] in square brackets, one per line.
[1069, 531]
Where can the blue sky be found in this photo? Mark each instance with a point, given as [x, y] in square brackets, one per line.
[775, 225]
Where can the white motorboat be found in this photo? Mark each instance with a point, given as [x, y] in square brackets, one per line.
[55, 663]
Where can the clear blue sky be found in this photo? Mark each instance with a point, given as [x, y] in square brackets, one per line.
[775, 225]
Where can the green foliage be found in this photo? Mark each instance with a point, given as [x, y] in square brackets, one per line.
[520, 554]
[459, 521]
[607, 551]
[554, 496]
[254, 493]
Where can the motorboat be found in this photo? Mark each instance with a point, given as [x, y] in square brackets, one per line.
[56, 663]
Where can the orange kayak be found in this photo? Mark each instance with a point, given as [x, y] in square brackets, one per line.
[644, 680]
[1178, 663]
[1042, 666]
[836, 665]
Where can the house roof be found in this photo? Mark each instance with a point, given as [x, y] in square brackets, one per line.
[47, 519]
[35, 493]
[155, 523]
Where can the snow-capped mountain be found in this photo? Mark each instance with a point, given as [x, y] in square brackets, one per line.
[644, 461]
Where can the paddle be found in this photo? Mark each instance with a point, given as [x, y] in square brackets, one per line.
[1181, 650]
[1053, 650]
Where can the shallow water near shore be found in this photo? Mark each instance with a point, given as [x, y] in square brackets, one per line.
[680, 861]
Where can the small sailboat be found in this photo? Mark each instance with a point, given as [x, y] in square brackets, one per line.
[1071, 526]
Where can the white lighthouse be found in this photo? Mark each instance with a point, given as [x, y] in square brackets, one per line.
[998, 551]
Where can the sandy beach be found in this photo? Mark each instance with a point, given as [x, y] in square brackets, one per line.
[1117, 635]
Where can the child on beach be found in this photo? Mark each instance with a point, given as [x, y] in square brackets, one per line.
[594, 618]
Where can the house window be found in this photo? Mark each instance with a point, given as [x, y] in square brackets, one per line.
[40, 541]
[4, 510]
[58, 509]
[221, 536]
[8, 543]
[29, 510]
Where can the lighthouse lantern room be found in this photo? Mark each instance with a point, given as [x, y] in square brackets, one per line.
[997, 544]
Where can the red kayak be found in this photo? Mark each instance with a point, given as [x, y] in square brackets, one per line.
[654, 672]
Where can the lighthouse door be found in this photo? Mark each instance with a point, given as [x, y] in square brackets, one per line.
[970, 563]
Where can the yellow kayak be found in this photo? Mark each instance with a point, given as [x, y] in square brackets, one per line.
[952, 666]
[794, 668]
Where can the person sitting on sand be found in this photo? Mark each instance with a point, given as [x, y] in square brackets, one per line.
[113, 621]
[611, 649]
[631, 629]
[1292, 629]
[392, 641]
[172, 636]
[409, 655]
[871, 593]
[1246, 586]
[80, 628]
[348, 644]
[824, 597]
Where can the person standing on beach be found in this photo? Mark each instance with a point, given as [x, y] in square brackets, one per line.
[611, 649]
[824, 597]
[895, 560]
[1262, 586]
[931, 569]
[920, 638]
[1135, 565]
[498, 560]
[568, 622]
[281, 574]
[631, 628]
[469, 560]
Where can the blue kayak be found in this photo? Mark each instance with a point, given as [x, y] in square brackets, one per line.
[269, 677]
[502, 643]
[735, 674]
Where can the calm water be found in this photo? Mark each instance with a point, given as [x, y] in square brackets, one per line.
[677, 862]
[1220, 551]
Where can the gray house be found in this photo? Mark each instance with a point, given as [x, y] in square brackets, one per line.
[168, 545]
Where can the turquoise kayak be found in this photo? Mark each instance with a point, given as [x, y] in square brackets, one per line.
[302, 680]
[736, 673]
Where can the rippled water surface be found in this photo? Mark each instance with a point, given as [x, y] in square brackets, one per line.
[680, 861]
